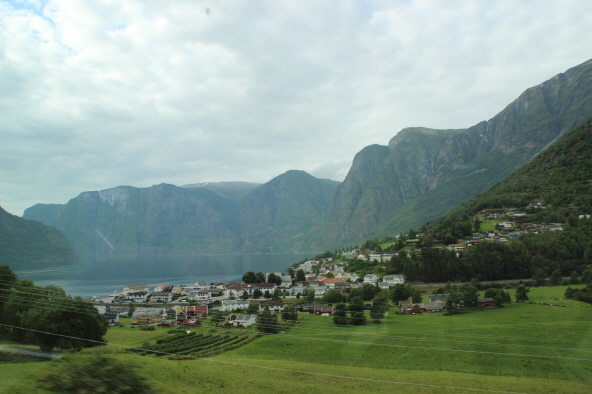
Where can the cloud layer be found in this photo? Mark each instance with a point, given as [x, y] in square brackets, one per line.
[100, 94]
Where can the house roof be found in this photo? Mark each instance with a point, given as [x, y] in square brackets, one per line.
[486, 299]
[271, 303]
[331, 280]
[323, 309]
[196, 309]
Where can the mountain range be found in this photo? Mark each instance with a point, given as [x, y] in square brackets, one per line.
[420, 175]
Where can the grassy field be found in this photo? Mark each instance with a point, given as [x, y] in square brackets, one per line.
[521, 348]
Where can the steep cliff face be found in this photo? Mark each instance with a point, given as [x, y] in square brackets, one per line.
[427, 172]
[157, 221]
[29, 242]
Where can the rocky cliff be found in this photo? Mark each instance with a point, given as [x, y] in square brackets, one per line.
[424, 173]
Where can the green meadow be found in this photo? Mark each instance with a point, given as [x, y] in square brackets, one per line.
[521, 348]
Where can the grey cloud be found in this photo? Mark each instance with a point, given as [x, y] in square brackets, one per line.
[101, 94]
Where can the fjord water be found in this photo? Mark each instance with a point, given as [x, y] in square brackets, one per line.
[94, 278]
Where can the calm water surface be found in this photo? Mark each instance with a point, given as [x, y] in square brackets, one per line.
[89, 278]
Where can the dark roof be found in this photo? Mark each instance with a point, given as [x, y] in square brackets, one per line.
[486, 299]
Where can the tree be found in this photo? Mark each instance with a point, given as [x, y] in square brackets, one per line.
[502, 298]
[400, 293]
[356, 305]
[309, 295]
[300, 276]
[340, 315]
[555, 278]
[252, 309]
[267, 295]
[267, 322]
[332, 297]
[490, 293]
[358, 318]
[7, 281]
[573, 278]
[369, 291]
[452, 302]
[539, 277]
[521, 293]
[95, 374]
[378, 309]
[259, 277]
[131, 310]
[48, 317]
[290, 314]
[277, 294]
[416, 296]
[257, 293]
[469, 295]
[217, 317]
[65, 323]
[271, 278]
[249, 277]
[586, 276]
[245, 295]
[291, 272]
[476, 224]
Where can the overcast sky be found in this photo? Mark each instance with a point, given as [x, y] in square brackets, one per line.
[97, 94]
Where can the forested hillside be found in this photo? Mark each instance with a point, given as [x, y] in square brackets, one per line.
[30, 242]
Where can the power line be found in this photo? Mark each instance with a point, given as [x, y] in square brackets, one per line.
[272, 368]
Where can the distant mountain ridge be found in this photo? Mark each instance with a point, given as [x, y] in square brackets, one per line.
[235, 191]
[421, 175]
[167, 220]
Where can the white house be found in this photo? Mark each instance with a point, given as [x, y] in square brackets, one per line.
[134, 288]
[236, 291]
[242, 320]
[394, 279]
[371, 278]
[230, 305]
[162, 296]
[300, 287]
[138, 296]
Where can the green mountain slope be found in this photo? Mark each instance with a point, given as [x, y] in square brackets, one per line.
[282, 208]
[30, 242]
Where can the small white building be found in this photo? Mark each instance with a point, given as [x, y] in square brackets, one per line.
[162, 296]
[135, 288]
[394, 279]
[231, 305]
[242, 320]
[371, 278]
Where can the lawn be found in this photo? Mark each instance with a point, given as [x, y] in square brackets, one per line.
[530, 348]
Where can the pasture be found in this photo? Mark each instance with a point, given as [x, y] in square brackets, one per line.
[521, 348]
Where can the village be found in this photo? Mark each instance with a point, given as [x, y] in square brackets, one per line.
[305, 284]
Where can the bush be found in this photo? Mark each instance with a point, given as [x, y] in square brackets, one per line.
[95, 374]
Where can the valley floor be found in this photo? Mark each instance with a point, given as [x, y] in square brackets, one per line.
[522, 348]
